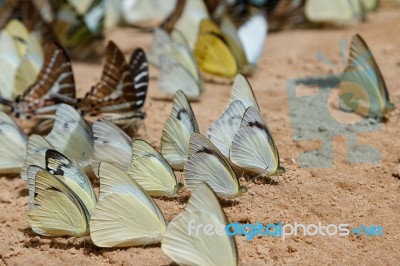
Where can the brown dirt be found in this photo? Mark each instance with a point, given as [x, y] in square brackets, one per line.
[358, 194]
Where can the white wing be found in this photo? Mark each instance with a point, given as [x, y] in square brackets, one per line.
[174, 76]
[189, 22]
[55, 209]
[339, 11]
[253, 147]
[72, 175]
[177, 130]
[35, 154]
[113, 180]
[13, 143]
[121, 220]
[151, 170]
[8, 73]
[125, 215]
[111, 145]
[242, 91]
[160, 45]
[252, 35]
[146, 13]
[206, 164]
[72, 136]
[222, 131]
[198, 248]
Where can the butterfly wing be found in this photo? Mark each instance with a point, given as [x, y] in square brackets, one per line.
[242, 91]
[187, 247]
[72, 175]
[13, 143]
[222, 131]
[363, 78]
[72, 136]
[177, 131]
[205, 164]
[212, 52]
[253, 147]
[125, 215]
[121, 220]
[55, 84]
[140, 71]
[111, 145]
[174, 76]
[55, 209]
[252, 35]
[151, 170]
[35, 154]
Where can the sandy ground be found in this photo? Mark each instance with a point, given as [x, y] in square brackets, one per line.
[357, 194]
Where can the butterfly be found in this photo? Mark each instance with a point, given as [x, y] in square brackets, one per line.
[186, 19]
[61, 198]
[362, 87]
[206, 164]
[334, 12]
[121, 93]
[242, 91]
[251, 32]
[125, 215]
[218, 53]
[178, 66]
[186, 245]
[253, 147]
[222, 131]
[21, 57]
[145, 14]
[54, 85]
[70, 135]
[175, 76]
[13, 143]
[111, 145]
[177, 130]
[152, 171]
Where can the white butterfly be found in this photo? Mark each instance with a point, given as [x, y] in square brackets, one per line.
[336, 12]
[61, 198]
[252, 34]
[21, 57]
[111, 145]
[125, 215]
[189, 21]
[177, 130]
[253, 148]
[206, 164]
[70, 135]
[242, 91]
[13, 143]
[146, 13]
[176, 76]
[152, 171]
[222, 131]
[186, 246]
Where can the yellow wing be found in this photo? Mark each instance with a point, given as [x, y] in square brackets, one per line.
[213, 53]
[55, 210]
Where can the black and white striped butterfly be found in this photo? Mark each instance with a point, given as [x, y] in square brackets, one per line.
[120, 94]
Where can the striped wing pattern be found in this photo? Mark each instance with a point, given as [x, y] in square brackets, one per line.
[122, 89]
[54, 85]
